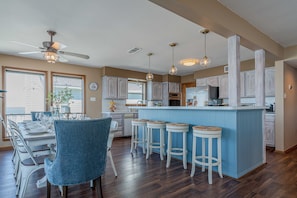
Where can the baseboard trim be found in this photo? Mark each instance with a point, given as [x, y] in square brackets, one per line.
[291, 149]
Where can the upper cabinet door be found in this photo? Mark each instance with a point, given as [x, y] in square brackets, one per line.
[201, 82]
[157, 91]
[154, 90]
[242, 85]
[122, 88]
[173, 87]
[213, 81]
[223, 86]
[110, 87]
[269, 82]
[250, 83]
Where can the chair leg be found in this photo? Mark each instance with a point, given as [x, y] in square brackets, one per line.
[65, 191]
[48, 189]
[112, 163]
[99, 187]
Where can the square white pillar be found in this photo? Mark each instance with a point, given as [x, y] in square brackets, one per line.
[260, 77]
[234, 70]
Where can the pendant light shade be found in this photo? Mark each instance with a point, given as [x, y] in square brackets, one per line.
[173, 69]
[205, 61]
[149, 75]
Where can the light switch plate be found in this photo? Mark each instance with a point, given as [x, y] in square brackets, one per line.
[93, 99]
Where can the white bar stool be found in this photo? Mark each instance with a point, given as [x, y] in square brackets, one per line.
[177, 128]
[207, 132]
[135, 139]
[161, 126]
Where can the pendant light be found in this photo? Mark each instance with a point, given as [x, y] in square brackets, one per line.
[173, 69]
[149, 75]
[205, 61]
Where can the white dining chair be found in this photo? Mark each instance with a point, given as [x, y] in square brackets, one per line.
[27, 166]
[113, 128]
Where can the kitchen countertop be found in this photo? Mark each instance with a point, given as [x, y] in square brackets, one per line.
[123, 112]
[201, 107]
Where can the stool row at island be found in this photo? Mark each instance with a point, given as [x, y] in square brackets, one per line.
[142, 133]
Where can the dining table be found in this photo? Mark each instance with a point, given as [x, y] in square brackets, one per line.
[35, 135]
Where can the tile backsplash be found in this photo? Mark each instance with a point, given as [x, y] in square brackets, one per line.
[120, 105]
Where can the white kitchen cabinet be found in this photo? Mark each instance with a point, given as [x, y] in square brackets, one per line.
[154, 90]
[269, 82]
[110, 87]
[114, 87]
[242, 85]
[173, 87]
[213, 81]
[122, 88]
[223, 86]
[250, 83]
[201, 82]
[269, 129]
[124, 122]
[165, 94]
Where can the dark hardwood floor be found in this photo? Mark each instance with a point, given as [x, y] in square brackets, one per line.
[138, 177]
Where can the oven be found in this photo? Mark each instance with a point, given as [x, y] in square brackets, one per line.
[174, 99]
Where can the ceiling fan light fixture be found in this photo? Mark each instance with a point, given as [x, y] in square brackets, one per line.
[51, 57]
[189, 62]
[149, 75]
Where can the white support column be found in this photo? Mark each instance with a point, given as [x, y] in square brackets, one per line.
[234, 70]
[260, 77]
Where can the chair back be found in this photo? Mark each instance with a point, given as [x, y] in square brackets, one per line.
[33, 114]
[81, 151]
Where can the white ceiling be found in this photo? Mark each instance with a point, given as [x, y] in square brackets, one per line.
[275, 18]
[106, 29]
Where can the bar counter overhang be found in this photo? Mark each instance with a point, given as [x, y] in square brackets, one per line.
[242, 132]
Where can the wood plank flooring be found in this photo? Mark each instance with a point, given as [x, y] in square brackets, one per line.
[138, 177]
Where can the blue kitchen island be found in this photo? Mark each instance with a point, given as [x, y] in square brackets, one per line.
[242, 132]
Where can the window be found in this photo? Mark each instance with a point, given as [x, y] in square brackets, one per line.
[76, 85]
[136, 92]
[26, 91]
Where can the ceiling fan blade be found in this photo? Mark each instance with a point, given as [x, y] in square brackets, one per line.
[74, 54]
[25, 44]
[34, 52]
[58, 46]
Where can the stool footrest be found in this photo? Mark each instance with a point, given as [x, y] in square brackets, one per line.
[198, 158]
[176, 151]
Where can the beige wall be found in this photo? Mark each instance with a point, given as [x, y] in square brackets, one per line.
[92, 109]
[279, 108]
[290, 126]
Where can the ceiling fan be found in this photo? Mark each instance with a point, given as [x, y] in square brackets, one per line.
[52, 50]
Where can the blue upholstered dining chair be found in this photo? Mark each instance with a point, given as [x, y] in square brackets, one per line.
[33, 114]
[81, 154]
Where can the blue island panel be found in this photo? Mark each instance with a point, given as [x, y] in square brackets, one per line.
[242, 141]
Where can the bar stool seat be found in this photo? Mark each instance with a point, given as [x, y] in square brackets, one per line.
[177, 128]
[157, 125]
[135, 136]
[210, 133]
